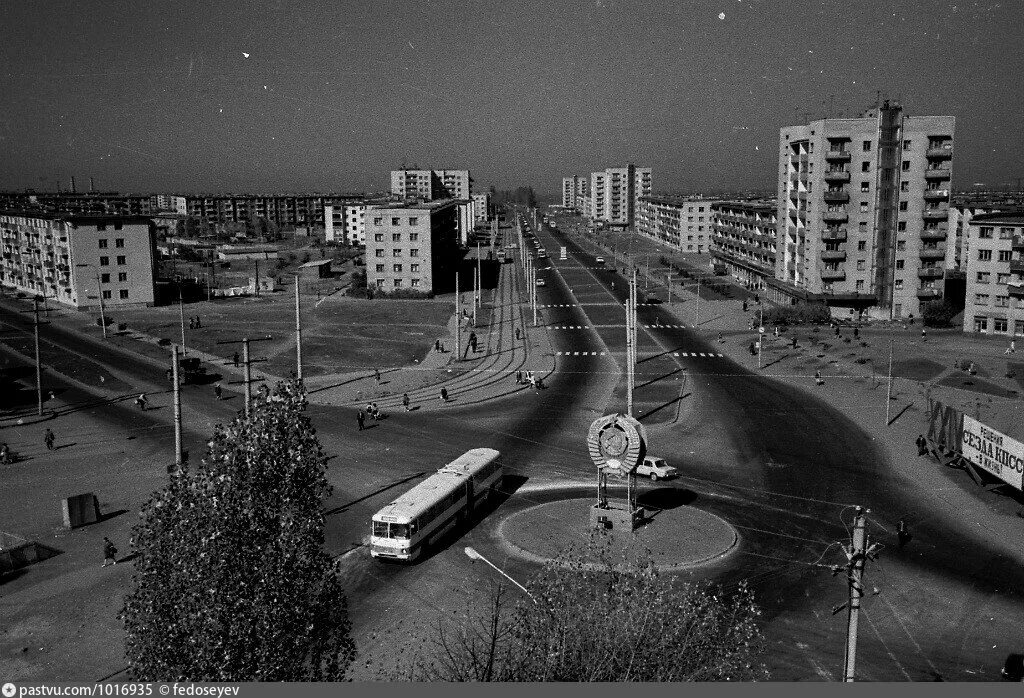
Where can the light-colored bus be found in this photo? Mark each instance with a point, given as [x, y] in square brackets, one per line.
[403, 528]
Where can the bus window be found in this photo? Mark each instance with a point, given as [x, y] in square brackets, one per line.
[380, 529]
[399, 530]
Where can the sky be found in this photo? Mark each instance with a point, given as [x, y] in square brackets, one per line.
[269, 96]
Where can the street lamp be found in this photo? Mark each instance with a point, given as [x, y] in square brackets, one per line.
[472, 554]
[99, 293]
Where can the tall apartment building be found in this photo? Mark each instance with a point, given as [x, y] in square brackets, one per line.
[345, 223]
[412, 245]
[863, 207]
[79, 259]
[678, 221]
[614, 194]
[995, 274]
[576, 193]
[428, 185]
[481, 208]
[743, 240]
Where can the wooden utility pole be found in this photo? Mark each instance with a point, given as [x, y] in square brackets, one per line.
[760, 335]
[696, 316]
[888, 390]
[177, 408]
[458, 319]
[181, 314]
[248, 376]
[668, 285]
[855, 576]
[298, 333]
[630, 342]
[39, 369]
[476, 293]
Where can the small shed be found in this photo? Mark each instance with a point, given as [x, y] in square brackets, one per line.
[317, 269]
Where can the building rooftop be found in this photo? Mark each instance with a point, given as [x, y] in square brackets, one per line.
[76, 217]
[410, 204]
[1003, 217]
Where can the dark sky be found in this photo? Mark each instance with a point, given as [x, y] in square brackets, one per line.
[161, 96]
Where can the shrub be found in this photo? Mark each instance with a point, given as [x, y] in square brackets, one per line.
[937, 313]
[803, 314]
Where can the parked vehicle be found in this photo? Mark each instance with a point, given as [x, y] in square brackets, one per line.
[599, 260]
[656, 468]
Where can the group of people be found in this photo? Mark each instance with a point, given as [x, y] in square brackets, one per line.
[527, 377]
[195, 323]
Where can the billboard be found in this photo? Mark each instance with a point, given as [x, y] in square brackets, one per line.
[945, 426]
[993, 451]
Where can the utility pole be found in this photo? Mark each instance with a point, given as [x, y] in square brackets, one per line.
[458, 319]
[39, 370]
[760, 335]
[476, 291]
[103, 313]
[177, 408]
[668, 285]
[696, 317]
[630, 342]
[248, 376]
[888, 390]
[181, 313]
[855, 575]
[478, 297]
[298, 333]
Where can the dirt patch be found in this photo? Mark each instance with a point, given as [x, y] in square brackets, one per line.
[917, 369]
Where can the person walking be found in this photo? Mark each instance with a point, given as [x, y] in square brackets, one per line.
[437, 346]
[444, 395]
[856, 333]
[376, 374]
[902, 534]
[922, 445]
[405, 401]
[519, 334]
[218, 391]
[141, 401]
[361, 420]
[191, 323]
[5, 454]
[376, 412]
[818, 379]
[109, 552]
[235, 357]
[48, 439]
[519, 377]
[369, 410]
[199, 322]
[924, 335]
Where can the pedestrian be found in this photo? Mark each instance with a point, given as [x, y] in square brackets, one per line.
[444, 395]
[721, 338]
[5, 454]
[856, 333]
[971, 369]
[752, 349]
[442, 347]
[794, 341]
[437, 346]
[744, 306]
[922, 445]
[902, 534]
[376, 412]
[405, 401]
[376, 374]
[199, 323]
[519, 377]
[48, 439]
[141, 401]
[369, 410]
[818, 379]
[191, 323]
[109, 552]
[924, 335]
[218, 391]
[51, 395]
[837, 330]
[235, 357]
[170, 375]
[360, 419]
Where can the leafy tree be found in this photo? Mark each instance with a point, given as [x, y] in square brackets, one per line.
[231, 579]
[603, 622]
[937, 313]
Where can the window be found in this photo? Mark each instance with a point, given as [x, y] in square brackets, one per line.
[379, 253]
[103, 243]
[867, 146]
[898, 284]
[101, 226]
[860, 265]
[984, 255]
[414, 268]
[380, 283]
[901, 245]
[1006, 233]
[378, 221]
[860, 285]
[865, 167]
[903, 205]
[121, 260]
[118, 226]
[865, 187]
[104, 278]
[1002, 278]
[414, 237]
[396, 237]
[980, 323]
[863, 206]
[862, 227]
[122, 276]
[862, 245]
[1018, 327]
[414, 252]
[984, 277]
[123, 293]
[119, 242]
[904, 186]
[107, 295]
[398, 283]
[901, 226]
[1005, 255]
[414, 282]
[1001, 325]
[899, 263]
[1002, 301]
[396, 253]
[104, 261]
[906, 166]
[985, 232]
[397, 268]
[414, 220]
[906, 145]
[380, 268]
[981, 299]
[378, 237]
[396, 221]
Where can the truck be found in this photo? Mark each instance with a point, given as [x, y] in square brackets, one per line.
[191, 370]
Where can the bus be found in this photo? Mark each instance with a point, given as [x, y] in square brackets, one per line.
[501, 256]
[402, 529]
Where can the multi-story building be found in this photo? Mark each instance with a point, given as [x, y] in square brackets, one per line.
[481, 208]
[428, 185]
[743, 238]
[569, 191]
[576, 193]
[863, 207]
[678, 221]
[79, 259]
[995, 274]
[614, 194]
[412, 245]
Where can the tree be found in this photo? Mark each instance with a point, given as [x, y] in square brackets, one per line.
[231, 580]
[603, 622]
[937, 313]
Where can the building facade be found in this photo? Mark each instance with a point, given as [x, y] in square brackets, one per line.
[79, 260]
[743, 240]
[863, 208]
[615, 194]
[428, 185]
[345, 223]
[412, 246]
[995, 274]
[481, 208]
[683, 223]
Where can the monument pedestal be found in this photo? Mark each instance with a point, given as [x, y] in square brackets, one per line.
[616, 517]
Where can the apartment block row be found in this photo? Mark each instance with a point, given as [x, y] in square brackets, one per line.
[611, 196]
[994, 252]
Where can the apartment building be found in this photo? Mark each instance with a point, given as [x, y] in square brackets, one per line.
[428, 185]
[576, 193]
[680, 222]
[77, 259]
[615, 194]
[995, 274]
[481, 208]
[411, 245]
[743, 240]
[863, 207]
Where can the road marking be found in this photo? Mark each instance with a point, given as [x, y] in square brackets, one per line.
[675, 353]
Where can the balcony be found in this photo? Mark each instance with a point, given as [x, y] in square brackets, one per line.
[833, 275]
[933, 253]
[837, 176]
[1015, 290]
[837, 155]
[936, 194]
[928, 292]
[937, 173]
[837, 234]
[833, 256]
[1017, 266]
[836, 196]
[943, 151]
[1018, 243]
[835, 216]
[929, 273]
[938, 233]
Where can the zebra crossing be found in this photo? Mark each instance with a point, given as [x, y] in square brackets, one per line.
[655, 327]
[580, 353]
[682, 354]
[559, 305]
[569, 327]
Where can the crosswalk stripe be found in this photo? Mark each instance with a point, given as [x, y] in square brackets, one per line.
[676, 353]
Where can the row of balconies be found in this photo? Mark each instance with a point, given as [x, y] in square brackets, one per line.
[936, 194]
[928, 292]
[1015, 290]
[836, 196]
[941, 172]
[940, 152]
[930, 273]
[837, 176]
[1017, 266]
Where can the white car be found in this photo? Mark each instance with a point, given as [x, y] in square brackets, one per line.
[599, 260]
[656, 468]
[540, 282]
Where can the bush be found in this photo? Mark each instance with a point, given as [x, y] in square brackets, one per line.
[404, 293]
[937, 313]
[803, 314]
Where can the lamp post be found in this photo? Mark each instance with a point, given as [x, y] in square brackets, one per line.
[99, 294]
[472, 554]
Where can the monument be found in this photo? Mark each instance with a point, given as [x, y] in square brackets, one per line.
[617, 444]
